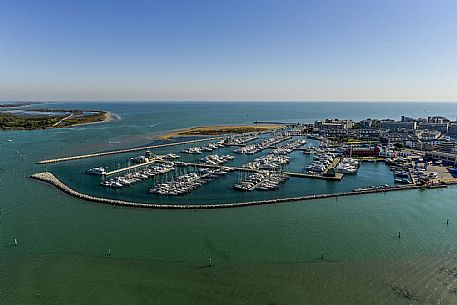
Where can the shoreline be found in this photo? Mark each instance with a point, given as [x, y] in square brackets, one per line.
[49, 178]
[107, 117]
[214, 130]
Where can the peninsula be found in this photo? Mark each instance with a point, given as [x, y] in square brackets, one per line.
[49, 118]
[217, 130]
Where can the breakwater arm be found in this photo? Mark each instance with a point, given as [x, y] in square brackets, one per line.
[122, 151]
[51, 179]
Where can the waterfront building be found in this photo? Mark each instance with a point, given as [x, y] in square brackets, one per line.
[369, 123]
[438, 120]
[387, 152]
[442, 127]
[363, 151]
[366, 133]
[407, 119]
[366, 123]
[414, 144]
[333, 132]
[430, 135]
[452, 130]
[449, 158]
[393, 125]
[397, 137]
[334, 124]
[446, 146]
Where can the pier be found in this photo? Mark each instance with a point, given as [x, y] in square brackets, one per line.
[337, 177]
[51, 179]
[127, 150]
[276, 123]
[120, 170]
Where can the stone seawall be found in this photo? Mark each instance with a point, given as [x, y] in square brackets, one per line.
[51, 179]
[123, 151]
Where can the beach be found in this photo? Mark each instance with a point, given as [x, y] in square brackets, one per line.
[216, 130]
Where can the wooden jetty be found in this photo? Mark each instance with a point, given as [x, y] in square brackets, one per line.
[51, 179]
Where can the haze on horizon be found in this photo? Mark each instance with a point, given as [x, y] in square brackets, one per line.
[228, 50]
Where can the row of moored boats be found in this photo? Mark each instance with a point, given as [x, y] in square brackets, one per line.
[267, 143]
[216, 159]
[206, 148]
[137, 176]
[268, 162]
[289, 147]
[262, 181]
[186, 183]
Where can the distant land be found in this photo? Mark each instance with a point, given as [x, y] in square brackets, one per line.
[17, 104]
[31, 119]
[217, 130]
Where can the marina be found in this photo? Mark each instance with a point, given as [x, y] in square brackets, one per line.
[51, 179]
[137, 176]
[135, 166]
[267, 143]
[266, 161]
[228, 152]
[269, 238]
[266, 170]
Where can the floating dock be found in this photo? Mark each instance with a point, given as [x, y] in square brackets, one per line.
[337, 177]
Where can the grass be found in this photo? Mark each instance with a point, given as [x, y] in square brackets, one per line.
[11, 121]
[217, 130]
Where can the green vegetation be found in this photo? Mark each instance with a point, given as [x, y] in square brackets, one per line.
[218, 130]
[85, 119]
[351, 140]
[26, 120]
[14, 105]
[13, 121]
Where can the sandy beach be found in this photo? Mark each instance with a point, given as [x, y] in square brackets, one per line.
[216, 130]
[107, 117]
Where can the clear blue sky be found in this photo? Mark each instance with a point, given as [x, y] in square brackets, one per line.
[228, 50]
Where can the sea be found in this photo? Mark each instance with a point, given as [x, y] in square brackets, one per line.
[332, 251]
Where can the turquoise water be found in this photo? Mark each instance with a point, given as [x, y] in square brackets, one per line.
[261, 255]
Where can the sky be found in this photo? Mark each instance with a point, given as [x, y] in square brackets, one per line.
[386, 50]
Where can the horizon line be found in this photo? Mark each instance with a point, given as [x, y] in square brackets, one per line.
[225, 101]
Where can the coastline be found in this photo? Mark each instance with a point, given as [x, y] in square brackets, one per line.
[49, 178]
[215, 130]
[107, 117]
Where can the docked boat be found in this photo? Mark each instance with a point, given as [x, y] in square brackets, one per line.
[402, 180]
[346, 169]
[193, 150]
[172, 156]
[347, 166]
[96, 171]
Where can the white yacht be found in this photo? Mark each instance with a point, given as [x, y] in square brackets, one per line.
[96, 171]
